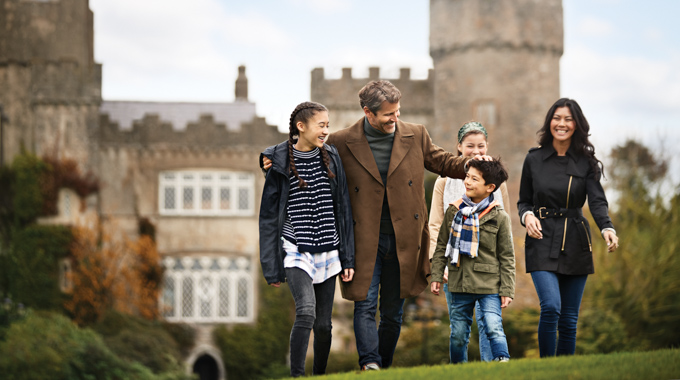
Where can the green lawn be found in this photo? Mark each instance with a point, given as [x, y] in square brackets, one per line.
[664, 364]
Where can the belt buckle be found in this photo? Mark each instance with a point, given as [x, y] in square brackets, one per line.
[540, 213]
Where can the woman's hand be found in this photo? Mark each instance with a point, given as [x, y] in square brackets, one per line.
[347, 274]
[533, 226]
[612, 240]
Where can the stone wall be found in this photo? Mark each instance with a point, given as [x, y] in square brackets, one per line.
[342, 99]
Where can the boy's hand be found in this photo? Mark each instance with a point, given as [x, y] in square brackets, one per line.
[434, 287]
[505, 301]
[275, 284]
[347, 274]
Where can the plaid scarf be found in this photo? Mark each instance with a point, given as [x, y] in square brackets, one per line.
[464, 236]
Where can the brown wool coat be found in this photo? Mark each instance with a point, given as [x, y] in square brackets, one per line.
[412, 152]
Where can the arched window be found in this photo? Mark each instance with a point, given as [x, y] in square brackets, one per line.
[207, 289]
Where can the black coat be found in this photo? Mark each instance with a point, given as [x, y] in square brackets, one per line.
[273, 212]
[547, 181]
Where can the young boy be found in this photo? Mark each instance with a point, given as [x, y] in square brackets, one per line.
[476, 243]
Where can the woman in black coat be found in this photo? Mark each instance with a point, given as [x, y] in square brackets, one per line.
[557, 178]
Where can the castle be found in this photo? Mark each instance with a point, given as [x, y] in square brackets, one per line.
[495, 61]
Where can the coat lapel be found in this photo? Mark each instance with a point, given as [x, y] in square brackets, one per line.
[358, 145]
[403, 141]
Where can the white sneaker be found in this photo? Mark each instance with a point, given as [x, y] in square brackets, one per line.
[371, 367]
[502, 359]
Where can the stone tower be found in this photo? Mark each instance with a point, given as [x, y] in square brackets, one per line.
[51, 86]
[498, 62]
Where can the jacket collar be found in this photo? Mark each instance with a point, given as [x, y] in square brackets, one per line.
[548, 150]
[358, 145]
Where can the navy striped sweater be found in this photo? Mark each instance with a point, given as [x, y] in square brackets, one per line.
[310, 223]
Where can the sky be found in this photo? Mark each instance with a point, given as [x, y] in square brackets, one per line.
[620, 62]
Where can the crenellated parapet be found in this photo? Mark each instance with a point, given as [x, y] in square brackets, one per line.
[205, 133]
[342, 94]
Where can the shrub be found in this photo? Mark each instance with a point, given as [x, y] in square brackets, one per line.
[50, 346]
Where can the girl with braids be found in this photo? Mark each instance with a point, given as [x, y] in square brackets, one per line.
[306, 230]
[557, 178]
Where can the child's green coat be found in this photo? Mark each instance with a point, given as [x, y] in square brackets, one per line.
[493, 270]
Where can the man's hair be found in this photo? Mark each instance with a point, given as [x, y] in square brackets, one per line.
[493, 172]
[374, 93]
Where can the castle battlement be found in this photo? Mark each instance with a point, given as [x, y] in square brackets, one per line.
[205, 133]
[342, 93]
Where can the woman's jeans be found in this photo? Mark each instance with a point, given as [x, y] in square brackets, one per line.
[460, 315]
[377, 346]
[313, 309]
[560, 297]
[484, 344]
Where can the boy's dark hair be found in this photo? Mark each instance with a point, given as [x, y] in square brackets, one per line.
[493, 172]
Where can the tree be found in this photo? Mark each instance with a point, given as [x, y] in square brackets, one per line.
[640, 282]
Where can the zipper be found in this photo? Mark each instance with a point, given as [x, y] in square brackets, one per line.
[590, 246]
[564, 237]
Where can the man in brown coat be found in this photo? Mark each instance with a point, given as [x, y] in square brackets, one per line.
[384, 160]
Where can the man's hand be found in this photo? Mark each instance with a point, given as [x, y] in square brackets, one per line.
[483, 158]
[266, 163]
[347, 275]
[434, 287]
[505, 301]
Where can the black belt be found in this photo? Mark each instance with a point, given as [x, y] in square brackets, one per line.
[543, 212]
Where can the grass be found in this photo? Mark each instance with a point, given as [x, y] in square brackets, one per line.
[663, 364]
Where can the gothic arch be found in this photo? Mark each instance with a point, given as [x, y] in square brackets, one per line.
[205, 356]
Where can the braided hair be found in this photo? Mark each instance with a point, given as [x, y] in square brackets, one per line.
[303, 112]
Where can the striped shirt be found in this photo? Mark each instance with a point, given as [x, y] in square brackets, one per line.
[319, 266]
[310, 223]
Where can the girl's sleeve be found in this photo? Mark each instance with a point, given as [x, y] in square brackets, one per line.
[347, 232]
[272, 264]
[436, 212]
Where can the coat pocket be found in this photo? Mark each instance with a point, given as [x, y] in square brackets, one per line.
[486, 268]
[584, 233]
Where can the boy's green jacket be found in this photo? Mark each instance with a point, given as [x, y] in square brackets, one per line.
[493, 270]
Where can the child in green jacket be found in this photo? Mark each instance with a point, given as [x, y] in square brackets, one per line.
[475, 241]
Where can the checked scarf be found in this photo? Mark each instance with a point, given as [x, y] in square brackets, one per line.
[464, 236]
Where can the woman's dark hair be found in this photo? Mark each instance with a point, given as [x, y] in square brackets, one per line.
[303, 112]
[579, 140]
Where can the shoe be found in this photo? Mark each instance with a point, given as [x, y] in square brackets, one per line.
[502, 359]
[371, 367]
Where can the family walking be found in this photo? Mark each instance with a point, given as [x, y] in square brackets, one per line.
[352, 204]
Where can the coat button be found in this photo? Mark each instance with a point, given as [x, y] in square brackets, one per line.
[356, 189]
[416, 216]
[410, 183]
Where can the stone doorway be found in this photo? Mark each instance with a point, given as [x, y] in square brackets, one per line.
[206, 368]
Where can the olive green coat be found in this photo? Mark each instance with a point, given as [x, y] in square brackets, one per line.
[493, 270]
[412, 152]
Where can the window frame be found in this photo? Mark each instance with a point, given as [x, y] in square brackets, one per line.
[196, 182]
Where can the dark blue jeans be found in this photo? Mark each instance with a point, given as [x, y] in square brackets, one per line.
[313, 310]
[560, 297]
[377, 346]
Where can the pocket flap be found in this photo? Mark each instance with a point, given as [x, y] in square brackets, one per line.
[485, 268]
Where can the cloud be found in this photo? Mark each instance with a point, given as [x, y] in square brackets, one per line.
[324, 6]
[594, 27]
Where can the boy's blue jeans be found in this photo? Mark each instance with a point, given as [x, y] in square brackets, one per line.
[560, 297]
[460, 315]
[484, 345]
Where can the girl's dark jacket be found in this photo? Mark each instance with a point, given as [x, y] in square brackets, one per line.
[561, 184]
[273, 211]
